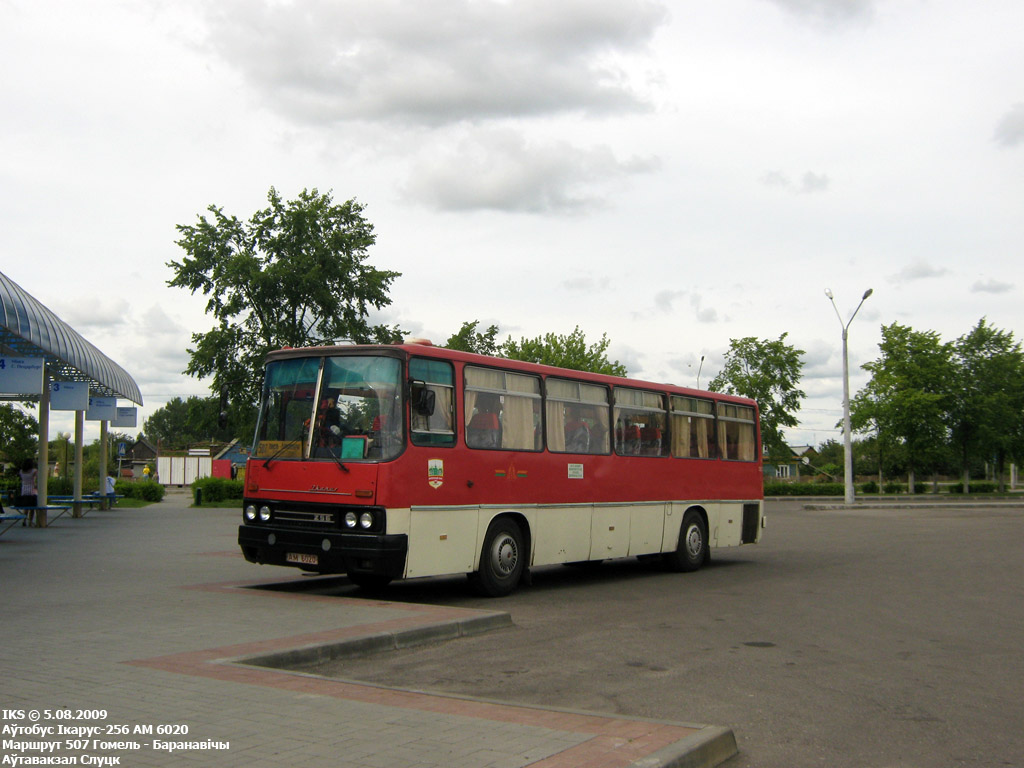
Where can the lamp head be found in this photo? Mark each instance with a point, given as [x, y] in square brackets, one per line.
[828, 292]
[867, 293]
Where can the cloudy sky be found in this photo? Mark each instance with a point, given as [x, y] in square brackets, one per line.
[674, 174]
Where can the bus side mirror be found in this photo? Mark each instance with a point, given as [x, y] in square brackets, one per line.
[423, 399]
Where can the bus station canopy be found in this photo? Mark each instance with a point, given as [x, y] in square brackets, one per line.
[28, 329]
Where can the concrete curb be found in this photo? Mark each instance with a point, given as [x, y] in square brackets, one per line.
[950, 504]
[711, 746]
[312, 656]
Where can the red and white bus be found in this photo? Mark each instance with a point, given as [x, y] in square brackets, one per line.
[402, 461]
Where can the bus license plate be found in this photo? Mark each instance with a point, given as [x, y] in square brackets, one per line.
[298, 557]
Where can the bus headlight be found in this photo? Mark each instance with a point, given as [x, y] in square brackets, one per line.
[366, 521]
[351, 519]
[250, 513]
[265, 514]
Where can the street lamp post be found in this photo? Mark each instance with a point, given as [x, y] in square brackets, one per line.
[847, 439]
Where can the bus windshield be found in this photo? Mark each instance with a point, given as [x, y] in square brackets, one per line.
[334, 408]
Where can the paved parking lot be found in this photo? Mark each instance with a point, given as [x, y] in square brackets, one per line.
[118, 631]
[882, 638]
[868, 638]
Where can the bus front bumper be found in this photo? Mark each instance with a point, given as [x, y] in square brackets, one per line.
[325, 551]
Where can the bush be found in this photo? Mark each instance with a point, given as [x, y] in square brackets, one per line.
[144, 490]
[869, 487]
[60, 486]
[978, 486]
[804, 489]
[217, 489]
[147, 490]
[10, 485]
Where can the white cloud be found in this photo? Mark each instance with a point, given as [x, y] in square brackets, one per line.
[829, 10]
[1010, 129]
[810, 182]
[813, 182]
[440, 62]
[664, 300]
[991, 286]
[702, 313]
[501, 170]
[587, 284]
[919, 270]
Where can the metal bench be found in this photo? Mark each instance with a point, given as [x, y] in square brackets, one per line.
[90, 501]
[38, 517]
[8, 520]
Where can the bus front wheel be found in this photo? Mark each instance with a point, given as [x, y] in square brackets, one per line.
[692, 549]
[502, 560]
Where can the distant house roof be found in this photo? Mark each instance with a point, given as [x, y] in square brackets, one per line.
[29, 329]
[233, 452]
[800, 450]
[143, 449]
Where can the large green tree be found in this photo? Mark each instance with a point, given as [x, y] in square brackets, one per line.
[469, 339]
[181, 423]
[295, 274]
[986, 410]
[768, 371]
[565, 351]
[908, 396]
[560, 350]
[19, 434]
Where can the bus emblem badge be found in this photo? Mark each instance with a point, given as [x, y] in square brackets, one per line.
[435, 472]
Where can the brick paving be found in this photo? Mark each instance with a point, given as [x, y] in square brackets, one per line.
[141, 612]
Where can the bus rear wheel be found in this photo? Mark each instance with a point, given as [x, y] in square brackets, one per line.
[692, 550]
[502, 560]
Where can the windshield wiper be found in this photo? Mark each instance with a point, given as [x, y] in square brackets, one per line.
[278, 452]
[337, 459]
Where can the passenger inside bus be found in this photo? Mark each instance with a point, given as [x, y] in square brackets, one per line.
[627, 438]
[577, 431]
[484, 429]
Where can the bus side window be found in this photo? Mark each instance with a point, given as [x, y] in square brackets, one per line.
[737, 432]
[502, 409]
[433, 380]
[640, 423]
[576, 416]
[693, 428]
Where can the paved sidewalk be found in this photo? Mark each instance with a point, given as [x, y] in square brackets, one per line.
[143, 613]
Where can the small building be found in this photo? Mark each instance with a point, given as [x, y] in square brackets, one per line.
[790, 468]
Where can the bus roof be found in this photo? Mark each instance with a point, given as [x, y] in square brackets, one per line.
[425, 348]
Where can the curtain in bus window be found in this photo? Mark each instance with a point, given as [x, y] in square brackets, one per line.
[681, 435]
[517, 431]
[469, 403]
[555, 412]
[746, 442]
[558, 392]
[704, 442]
[520, 416]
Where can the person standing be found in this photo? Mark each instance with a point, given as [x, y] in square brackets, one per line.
[28, 496]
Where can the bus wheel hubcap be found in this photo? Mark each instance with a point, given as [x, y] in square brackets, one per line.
[694, 543]
[505, 555]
